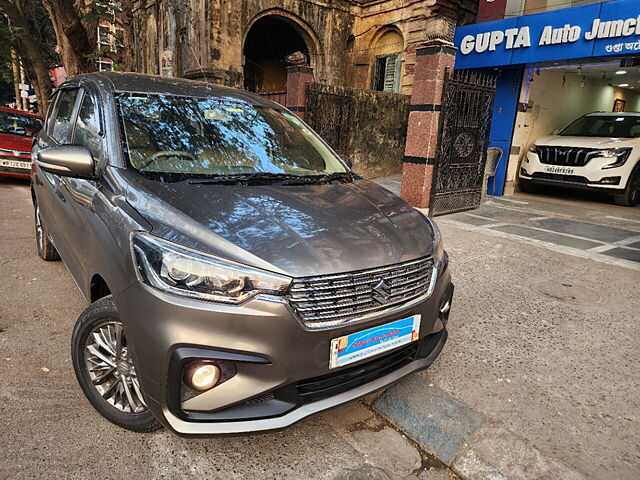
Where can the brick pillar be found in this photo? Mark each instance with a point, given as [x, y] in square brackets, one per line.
[298, 77]
[432, 61]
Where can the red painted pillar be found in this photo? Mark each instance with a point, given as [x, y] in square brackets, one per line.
[432, 62]
[298, 77]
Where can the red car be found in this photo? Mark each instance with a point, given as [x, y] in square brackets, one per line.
[17, 129]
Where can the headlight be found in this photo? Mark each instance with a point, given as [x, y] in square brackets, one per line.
[181, 271]
[621, 155]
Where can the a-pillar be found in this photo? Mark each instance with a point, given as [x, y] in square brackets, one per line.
[432, 62]
[298, 77]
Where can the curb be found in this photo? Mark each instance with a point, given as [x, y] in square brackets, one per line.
[464, 439]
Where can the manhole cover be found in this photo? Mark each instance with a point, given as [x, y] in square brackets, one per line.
[567, 292]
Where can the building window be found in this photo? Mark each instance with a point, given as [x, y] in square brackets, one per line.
[105, 65]
[387, 74]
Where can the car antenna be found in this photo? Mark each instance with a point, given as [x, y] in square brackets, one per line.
[200, 67]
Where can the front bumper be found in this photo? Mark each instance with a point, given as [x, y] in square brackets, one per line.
[281, 368]
[589, 177]
[15, 172]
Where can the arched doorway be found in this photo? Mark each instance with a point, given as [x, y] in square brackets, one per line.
[269, 40]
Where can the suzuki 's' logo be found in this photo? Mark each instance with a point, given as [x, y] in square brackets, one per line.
[382, 292]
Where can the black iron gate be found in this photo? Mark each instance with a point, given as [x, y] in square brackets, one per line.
[329, 111]
[465, 123]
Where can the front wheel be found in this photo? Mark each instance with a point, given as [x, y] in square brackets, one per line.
[526, 186]
[631, 195]
[104, 366]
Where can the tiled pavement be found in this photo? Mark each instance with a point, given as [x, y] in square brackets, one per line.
[574, 225]
[611, 239]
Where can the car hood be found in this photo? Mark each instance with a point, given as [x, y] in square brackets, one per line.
[587, 142]
[18, 143]
[297, 230]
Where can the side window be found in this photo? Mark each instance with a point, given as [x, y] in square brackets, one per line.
[87, 131]
[61, 125]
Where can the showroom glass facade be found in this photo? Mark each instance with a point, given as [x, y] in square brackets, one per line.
[552, 67]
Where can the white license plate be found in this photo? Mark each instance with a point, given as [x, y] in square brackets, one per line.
[15, 164]
[559, 170]
[373, 341]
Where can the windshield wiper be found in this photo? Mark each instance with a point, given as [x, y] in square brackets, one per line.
[271, 178]
[238, 178]
[318, 179]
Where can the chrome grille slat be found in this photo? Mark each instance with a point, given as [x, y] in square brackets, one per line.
[326, 299]
[346, 282]
[565, 156]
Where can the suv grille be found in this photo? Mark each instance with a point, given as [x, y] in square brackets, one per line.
[566, 156]
[328, 300]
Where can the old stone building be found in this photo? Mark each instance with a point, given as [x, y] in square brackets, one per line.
[367, 44]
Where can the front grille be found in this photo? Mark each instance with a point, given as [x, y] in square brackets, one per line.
[326, 386]
[22, 158]
[556, 177]
[326, 300]
[566, 156]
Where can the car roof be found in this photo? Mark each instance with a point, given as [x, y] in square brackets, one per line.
[155, 84]
[20, 112]
[614, 114]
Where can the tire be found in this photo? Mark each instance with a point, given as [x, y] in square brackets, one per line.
[45, 247]
[631, 195]
[111, 387]
[527, 186]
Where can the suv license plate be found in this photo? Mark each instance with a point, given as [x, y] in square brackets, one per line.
[560, 170]
[373, 341]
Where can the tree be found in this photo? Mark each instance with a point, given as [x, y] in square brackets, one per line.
[76, 27]
[30, 49]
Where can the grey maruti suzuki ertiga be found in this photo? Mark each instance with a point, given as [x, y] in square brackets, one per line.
[240, 276]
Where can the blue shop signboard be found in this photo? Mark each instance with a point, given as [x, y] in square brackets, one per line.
[599, 29]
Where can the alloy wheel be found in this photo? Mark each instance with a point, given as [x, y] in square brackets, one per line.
[111, 368]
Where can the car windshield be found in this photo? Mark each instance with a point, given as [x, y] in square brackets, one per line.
[174, 137]
[17, 124]
[608, 126]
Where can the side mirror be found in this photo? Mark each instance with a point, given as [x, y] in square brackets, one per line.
[67, 160]
[346, 160]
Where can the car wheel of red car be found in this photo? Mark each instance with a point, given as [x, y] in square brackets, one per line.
[46, 250]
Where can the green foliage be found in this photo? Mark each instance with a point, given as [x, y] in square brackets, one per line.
[6, 77]
[41, 30]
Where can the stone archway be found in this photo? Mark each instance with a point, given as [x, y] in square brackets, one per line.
[272, 36]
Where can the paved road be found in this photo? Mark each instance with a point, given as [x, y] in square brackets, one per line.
[48, 429]
[542, 344]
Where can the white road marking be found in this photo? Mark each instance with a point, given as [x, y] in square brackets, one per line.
[502, 199]
[624, 219]
[627, 241]
[597, 257]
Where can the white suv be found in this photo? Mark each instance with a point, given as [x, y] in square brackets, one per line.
[599, 151]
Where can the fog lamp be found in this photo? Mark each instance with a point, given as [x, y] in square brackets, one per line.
[446, 307]
[202, 376]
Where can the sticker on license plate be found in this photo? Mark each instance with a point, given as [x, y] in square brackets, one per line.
[15, 164]
[373, 341]
[560, 170]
